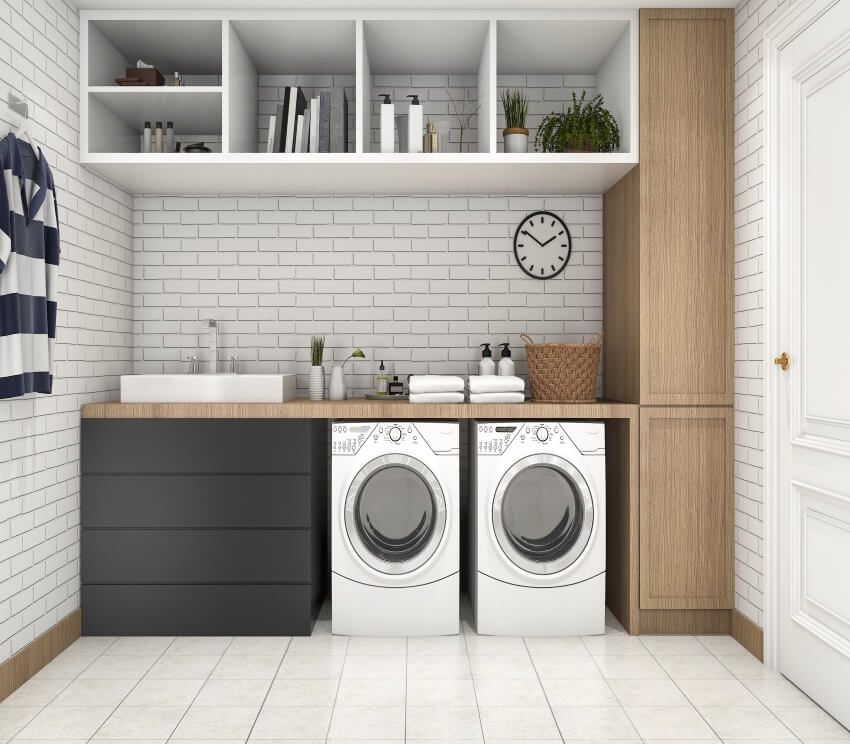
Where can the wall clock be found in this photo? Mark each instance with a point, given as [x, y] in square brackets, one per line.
[542, 245]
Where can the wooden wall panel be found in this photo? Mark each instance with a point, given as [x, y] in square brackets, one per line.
[621, 298]
[686, 508]
[686, 206]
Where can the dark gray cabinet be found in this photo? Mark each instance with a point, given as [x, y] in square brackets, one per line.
[203, 526]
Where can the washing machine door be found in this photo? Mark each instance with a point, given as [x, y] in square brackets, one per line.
[543, 514]
[395, 514]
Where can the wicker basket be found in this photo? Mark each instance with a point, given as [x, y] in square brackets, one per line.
[563, 373]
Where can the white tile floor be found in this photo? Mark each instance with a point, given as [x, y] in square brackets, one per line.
[672, 689]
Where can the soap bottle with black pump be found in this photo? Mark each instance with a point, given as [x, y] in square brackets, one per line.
[486, 366]
[396, 386]
[414, 124]
[506, 364]
[381, 386]
[387, 124]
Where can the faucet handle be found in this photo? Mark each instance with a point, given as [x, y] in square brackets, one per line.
[193, 364]
[234, 365]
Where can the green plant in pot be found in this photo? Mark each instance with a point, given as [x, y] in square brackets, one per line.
[587, 126]
[515, 105]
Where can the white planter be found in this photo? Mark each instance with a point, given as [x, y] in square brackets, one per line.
[516, 140]
[317, 382]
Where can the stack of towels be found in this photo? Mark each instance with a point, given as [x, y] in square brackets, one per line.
[496, 389]
[436, 389]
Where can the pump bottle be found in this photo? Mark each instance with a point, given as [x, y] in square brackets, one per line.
[486, 366]
[506, 364]
[387, 124]
[414, 124]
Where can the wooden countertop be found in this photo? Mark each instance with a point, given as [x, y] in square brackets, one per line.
[361, 408]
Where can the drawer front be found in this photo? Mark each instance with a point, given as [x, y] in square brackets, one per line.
[199, 501]
[194, 556]
[113, 610]
[220, 446]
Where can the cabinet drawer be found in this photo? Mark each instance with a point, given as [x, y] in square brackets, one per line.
[200, 501]
[196, 610]
[194, 556]
[220, 446]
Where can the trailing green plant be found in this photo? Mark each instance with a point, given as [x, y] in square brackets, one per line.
[317, 350]
[515, 105]
[586, 126]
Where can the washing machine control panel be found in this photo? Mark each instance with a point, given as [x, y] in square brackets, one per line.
[493, 439]
[349, 438]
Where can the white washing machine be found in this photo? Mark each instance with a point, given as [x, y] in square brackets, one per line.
[538, 527]
[395, 496]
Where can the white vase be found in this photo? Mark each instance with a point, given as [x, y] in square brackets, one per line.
[516, 140]
[317, 382]
[336, 390]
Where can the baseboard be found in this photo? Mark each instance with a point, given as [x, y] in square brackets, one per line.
[31, 658]
[748, 634]
[684, 622]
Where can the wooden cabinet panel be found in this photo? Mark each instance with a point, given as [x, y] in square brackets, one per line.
[686, 152]
[686, 508]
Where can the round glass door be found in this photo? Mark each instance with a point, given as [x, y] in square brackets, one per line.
[395, 514]
[543, 514]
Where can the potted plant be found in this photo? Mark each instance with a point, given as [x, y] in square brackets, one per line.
[337, 388]
[515, 105]
[317, 371]
[587, 126]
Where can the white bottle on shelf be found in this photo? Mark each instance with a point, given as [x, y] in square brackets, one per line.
[387, 124]
[506, 364]
[158, 137]
[169, 136]
[414, 124]
[486, 366]
[146, 138]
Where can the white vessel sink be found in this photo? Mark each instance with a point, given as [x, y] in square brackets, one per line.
[207, 388]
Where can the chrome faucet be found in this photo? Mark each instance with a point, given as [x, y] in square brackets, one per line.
[212, 328]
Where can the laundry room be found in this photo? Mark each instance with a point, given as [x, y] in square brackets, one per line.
[402, 372]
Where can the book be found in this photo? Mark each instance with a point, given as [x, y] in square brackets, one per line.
[305, 139]
[297, 105]
[270, 141]
[278, 128]
[339, 121]
[299, 133]
[282, 119]
[324, 121]
[314, 125]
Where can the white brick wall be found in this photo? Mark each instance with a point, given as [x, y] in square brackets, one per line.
[751, 19]
[40, 435]
[416, 281]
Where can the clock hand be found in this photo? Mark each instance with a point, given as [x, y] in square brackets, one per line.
[525, 232]
[548, 241]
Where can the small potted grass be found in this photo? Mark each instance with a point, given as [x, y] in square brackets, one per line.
[515, 134]
[317, 371]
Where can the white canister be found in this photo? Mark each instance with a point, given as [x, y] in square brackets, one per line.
[317, 382]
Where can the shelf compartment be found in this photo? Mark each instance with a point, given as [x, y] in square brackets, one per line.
[552, 58]
[266, 56]
[117, 115]
[192, 47]
[436, 59]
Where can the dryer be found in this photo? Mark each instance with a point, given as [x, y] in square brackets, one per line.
[394, 528]
[538, 527]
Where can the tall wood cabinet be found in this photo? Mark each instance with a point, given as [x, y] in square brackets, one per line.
[668, 309]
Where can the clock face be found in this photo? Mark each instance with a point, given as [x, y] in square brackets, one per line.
[542, 245]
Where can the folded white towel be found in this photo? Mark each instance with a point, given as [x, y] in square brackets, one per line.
[496, 397]
[495, 384]
[435, 384]
[448, 397]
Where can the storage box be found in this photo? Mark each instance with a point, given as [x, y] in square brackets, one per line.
[148, 75]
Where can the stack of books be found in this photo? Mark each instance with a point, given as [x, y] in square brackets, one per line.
[320, 126]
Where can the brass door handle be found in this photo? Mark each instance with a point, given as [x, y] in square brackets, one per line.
[783, 361]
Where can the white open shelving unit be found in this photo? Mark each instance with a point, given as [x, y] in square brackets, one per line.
[225, 58]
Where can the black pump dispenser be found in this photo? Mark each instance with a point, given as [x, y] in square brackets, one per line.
[486, 352]
[506, 349]
[415, 97]
[386, 97]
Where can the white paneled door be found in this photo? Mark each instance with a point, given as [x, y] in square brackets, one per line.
[809, 125]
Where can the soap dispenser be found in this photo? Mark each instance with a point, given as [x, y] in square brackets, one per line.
[387, 124]
[486, 366]
[381, 380]
[506, 364]
[414, 124]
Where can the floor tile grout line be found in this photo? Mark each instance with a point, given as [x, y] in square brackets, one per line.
[543, 688]
[619, 701]
[271, 684]
[338, 685]
[161, 654]
[206, 679]
[472, 679]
